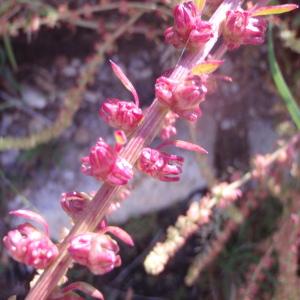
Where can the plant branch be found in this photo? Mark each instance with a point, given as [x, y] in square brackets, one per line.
[144, 134]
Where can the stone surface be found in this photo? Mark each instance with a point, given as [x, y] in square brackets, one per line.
[33, 97]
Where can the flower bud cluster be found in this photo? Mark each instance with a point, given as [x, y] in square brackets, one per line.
[105, 164]
[183, 98]
[121, 114]
[29, 245]
[188, 30]
[97, 250]
[247, 27]
[160, 165]
[240, 28]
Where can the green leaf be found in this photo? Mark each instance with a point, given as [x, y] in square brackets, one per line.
[281, 85]
[274, 10]
[10, 52]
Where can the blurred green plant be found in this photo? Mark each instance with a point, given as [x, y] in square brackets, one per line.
[280, 83]
[72, 100]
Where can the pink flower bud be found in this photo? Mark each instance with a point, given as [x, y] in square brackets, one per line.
[164, 88]
[98, 251]
[104, 164]
[121, 114]
[182, 98]
[240, 28]
[160, 165]
[121, 172]
[188, 30]
[28, 245]
[185, 17]
[201, 34]
[187, 97]
[100, 160]
[173, 38]
[73, 203]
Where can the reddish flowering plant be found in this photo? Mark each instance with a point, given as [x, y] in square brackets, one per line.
[247, 27]
[118, 113]
[97, 250]
[89, 243]
[105, 164]
[29, 245]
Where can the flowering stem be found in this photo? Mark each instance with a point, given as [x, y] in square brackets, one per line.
[142, 137]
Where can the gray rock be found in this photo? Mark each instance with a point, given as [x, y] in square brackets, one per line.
[33, 97]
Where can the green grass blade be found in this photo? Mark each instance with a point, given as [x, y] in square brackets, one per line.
[280, 83]
[10, 52]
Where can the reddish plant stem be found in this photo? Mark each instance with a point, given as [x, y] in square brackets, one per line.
[143, 136]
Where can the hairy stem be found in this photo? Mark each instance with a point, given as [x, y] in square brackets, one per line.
[143, 136]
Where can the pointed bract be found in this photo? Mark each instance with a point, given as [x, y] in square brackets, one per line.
[32, 216]
[85, 288]
[200, 4]
[120, 234]
[274, 10]
[206, 67]
[126, 82]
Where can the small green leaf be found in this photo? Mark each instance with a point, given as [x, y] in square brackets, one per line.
[10, 52]
[274, 10]
[281, 85]
[206, 67]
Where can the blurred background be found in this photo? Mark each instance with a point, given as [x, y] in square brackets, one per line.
[54, 74]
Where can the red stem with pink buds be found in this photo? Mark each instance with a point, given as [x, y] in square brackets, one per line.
[142, 137]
